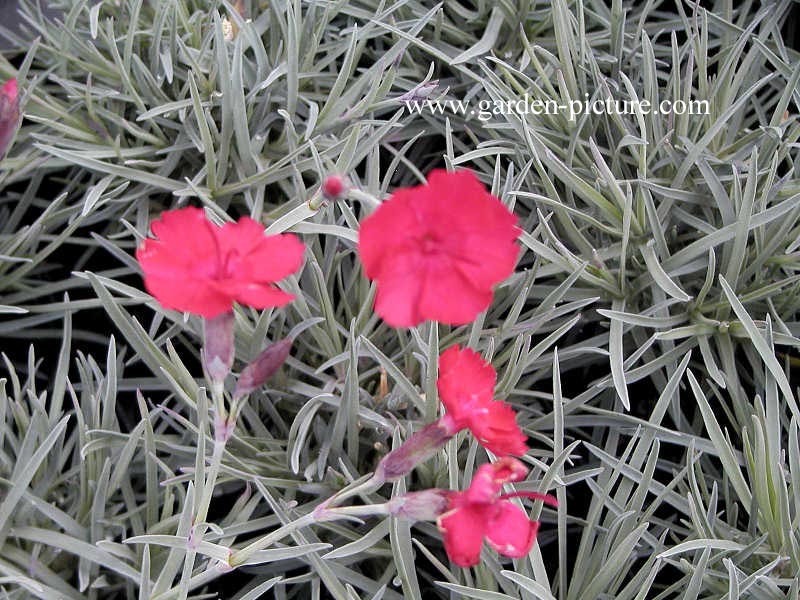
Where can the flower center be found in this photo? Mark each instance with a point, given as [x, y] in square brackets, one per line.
[230, 263]
[430, 243]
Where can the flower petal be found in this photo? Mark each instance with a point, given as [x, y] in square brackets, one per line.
[463, 371]
[390, 231]
[507, 470]
[510, 531]
[483, 232]
[463, 530]
[497, 430]
[250, 255]
[257, 295]
[195, 266]
[190, 295]
[466, 382]
[181, 264]
[498, 259]
[397, 300]
[490, 478]
[9, 113]
[448, 296]
[185, 244]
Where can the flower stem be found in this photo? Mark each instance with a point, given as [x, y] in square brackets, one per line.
[211, 479]
[366, 199]
[223, 427]
[366, 510]
[240, 557]
[364, 485]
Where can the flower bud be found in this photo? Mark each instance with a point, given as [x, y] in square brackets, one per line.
[218, 347]
[419, 92]
[427, 505]
[334, 187]
[416, 449]
[9, 114]
[263, 367]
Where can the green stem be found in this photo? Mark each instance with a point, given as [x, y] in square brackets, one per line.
[366, 510]
[365, 485]
[210, 482]
[223, 426]
[327, 514]
[240, 556]
[367, 199]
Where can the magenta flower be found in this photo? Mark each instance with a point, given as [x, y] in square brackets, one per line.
[466, 388]
[196, 266]
[482, 512]
[437, 250]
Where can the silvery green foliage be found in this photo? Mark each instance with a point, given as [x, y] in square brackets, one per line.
[647, 339]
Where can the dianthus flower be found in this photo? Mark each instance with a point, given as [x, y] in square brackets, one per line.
[437, 250]
[466, 388]
[466, 518]
[195, 266]
[482, 512]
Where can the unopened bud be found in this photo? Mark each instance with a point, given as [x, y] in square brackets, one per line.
[419, 92]
[218, 347]
[416, 449]
[427, 505]
[263, 367]
[9, 114]
[334, 187]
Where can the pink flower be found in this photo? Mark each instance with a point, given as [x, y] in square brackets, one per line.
[466, 388]
[482, 512]
[9, 114]
[196, 266]
[437, 250]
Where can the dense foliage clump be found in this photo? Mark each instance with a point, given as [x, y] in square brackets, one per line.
[646, 339]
